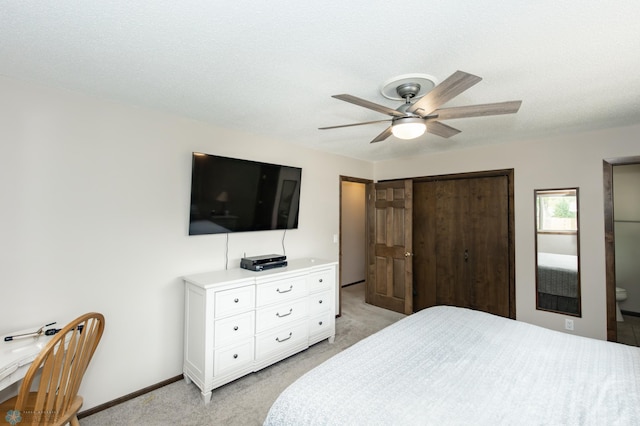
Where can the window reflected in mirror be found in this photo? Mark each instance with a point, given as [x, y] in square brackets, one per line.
[557, 251]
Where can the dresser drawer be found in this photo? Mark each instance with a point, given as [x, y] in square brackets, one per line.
[275, 316]
[319, 302]
[281, 290]
[233, 357]
[235, 300]
[233, 329]
[321, 323]
[272, 342]
[321, 280]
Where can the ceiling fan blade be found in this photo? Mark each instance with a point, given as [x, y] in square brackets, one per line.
[455, 84]
[351, 125]
[364, 103]
[441, 129]
[482, 110]
[382, 136]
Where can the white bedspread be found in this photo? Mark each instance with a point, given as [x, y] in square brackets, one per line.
[454, 366]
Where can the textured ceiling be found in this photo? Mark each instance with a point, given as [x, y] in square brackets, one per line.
[270, 67]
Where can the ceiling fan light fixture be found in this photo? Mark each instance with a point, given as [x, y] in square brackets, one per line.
[408, 127]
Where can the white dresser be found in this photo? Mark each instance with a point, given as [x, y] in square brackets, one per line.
[238, 321]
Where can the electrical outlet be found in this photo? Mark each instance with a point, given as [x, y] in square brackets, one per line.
[335, 238]
[568, 324]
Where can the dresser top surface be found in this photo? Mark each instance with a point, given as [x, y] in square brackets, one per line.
[228, 276]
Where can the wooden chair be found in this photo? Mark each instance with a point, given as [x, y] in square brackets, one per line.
[62, 364]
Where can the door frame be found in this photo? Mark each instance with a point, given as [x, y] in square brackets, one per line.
[356, 180]
[610, 242]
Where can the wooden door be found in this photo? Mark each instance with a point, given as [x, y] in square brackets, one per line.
[487, 239]
[463, 242]
[452, 243]
[389, 260]
[424, 245]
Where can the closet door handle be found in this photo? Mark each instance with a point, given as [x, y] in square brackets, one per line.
[466, 255]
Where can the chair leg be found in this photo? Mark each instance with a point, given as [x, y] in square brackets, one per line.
[74, 421]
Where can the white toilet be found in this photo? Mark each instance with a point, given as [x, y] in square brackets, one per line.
[621, 294]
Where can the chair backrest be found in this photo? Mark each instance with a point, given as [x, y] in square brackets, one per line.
[62, 363]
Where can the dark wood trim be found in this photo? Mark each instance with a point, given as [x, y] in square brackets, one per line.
[356, 180]
[127, 397]
[609, 252]
[467, 175]
[609, 240]
[512, 241]
[623, 161]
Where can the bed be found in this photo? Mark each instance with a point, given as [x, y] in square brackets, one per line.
[455, 366]
[198, 227]
[558, 282]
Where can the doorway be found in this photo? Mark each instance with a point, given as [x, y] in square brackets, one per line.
[352, 237]
[610, 240]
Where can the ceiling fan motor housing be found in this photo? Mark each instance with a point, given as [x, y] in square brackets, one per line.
[408, 90]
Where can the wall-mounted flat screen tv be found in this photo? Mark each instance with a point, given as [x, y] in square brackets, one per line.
[234, 195]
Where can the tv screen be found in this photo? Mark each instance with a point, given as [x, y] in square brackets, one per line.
[233, 195]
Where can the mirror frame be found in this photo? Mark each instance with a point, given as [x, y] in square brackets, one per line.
[536, 193]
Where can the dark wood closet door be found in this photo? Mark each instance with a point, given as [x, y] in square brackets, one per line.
[424, 245]
[462, 243]
[488, 243]
[452, 243]
[390, 270]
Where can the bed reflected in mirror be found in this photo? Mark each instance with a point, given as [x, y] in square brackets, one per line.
[558, 251]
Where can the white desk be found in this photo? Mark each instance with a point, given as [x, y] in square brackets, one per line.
[15, 358]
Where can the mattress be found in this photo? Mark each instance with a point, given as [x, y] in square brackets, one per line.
[558, 274]
[454, 366]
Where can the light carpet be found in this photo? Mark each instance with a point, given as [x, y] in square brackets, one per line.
[247, 400]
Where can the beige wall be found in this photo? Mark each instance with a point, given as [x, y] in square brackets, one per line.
[563, 161]
[352, 233]
[95, 204]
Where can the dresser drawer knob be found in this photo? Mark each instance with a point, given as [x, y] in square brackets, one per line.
[320, 301]
[285, 339]
[236, 300]
[285, 291]
[235, 328]
[320, 323]
[320, 280]
[284, 315]
[235, 356]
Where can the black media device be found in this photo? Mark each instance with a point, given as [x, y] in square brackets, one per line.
[264, 262]
[234, 195]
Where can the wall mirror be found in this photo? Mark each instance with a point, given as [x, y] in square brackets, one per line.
[557, 251]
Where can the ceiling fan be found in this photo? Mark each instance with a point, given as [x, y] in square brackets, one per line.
[410, 120]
